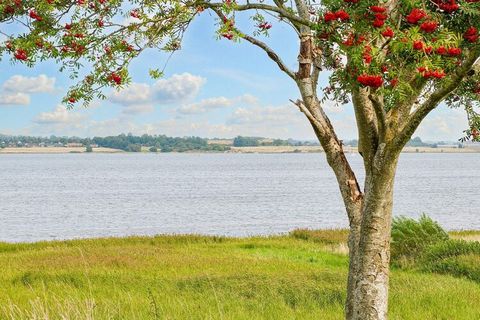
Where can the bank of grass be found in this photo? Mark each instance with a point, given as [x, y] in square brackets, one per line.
[297, 276]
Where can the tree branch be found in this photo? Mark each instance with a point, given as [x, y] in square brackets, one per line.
[435, 98]
[380, 113]
[261, 6]
[366, 125]
[270, 52]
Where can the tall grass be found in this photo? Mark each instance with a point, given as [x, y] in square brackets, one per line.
[410, 238]
[194, 277]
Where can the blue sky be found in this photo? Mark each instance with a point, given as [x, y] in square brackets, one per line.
[211, 88]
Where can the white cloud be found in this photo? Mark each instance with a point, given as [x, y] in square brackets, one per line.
[14, 99]
[443, 124]
[138, 109]
[260, 115]
[141, 97]
[21, 84]
[249, 99]
[179, 87]
[60, 115]
[206, 105]
[17, 89]
[136, 93]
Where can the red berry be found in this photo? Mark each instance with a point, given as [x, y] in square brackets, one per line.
[429, 26]
[471, 35]
[368, 80]
[342, 15]
[34, 15]
[378, 9]
[380, 16]
[418, 45]
[20, 54]
[135, 14]
[449, 7]
[329, 16]
[377, 23]
[441, 50]
[264, 26]
[454, 51]
[415, 16]
[228, 36]
[115, 78]
[388, 33]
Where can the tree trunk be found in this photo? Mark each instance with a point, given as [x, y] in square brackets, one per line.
[353, 243]
[367, 297]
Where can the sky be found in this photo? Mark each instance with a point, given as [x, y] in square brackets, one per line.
[211, 88]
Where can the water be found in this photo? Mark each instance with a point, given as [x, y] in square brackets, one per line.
[45, 197]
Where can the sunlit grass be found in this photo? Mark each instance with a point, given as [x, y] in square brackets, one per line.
[194, 277]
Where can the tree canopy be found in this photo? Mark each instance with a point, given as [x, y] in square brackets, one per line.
[394, 60]
[403, 50]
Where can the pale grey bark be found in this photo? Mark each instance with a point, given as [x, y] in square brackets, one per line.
[371, 288]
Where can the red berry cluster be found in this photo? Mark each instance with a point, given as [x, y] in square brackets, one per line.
[10, 9]
[351, 40]
[34, 15]
[437, 74]
[20, 54]
[135, 14]
[115, 77]
[229, 24]
[471, 35]
[447, 6]
[388, 33]
[418, 45]
[379, 16]
[367, 57]
[264, 26]
[429, 26]
[341, 15]
[370, 80]
[415, 16]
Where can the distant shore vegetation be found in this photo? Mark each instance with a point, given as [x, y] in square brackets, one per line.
[163, 143]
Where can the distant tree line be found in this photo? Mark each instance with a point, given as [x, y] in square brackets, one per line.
[241, 141]
[163, 143]
[156, 143]
[126, 142]
[29, 140]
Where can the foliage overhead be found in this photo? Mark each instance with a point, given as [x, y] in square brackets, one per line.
[397, 49]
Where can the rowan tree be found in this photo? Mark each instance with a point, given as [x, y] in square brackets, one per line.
[395, 61]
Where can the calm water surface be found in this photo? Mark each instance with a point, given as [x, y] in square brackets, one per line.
[87, 195]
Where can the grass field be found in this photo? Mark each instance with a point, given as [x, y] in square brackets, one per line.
[194, 277]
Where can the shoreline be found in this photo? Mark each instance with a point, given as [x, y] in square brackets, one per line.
[236, 150]
[460, 234]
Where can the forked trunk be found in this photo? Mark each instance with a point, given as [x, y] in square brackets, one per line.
[367, 296]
